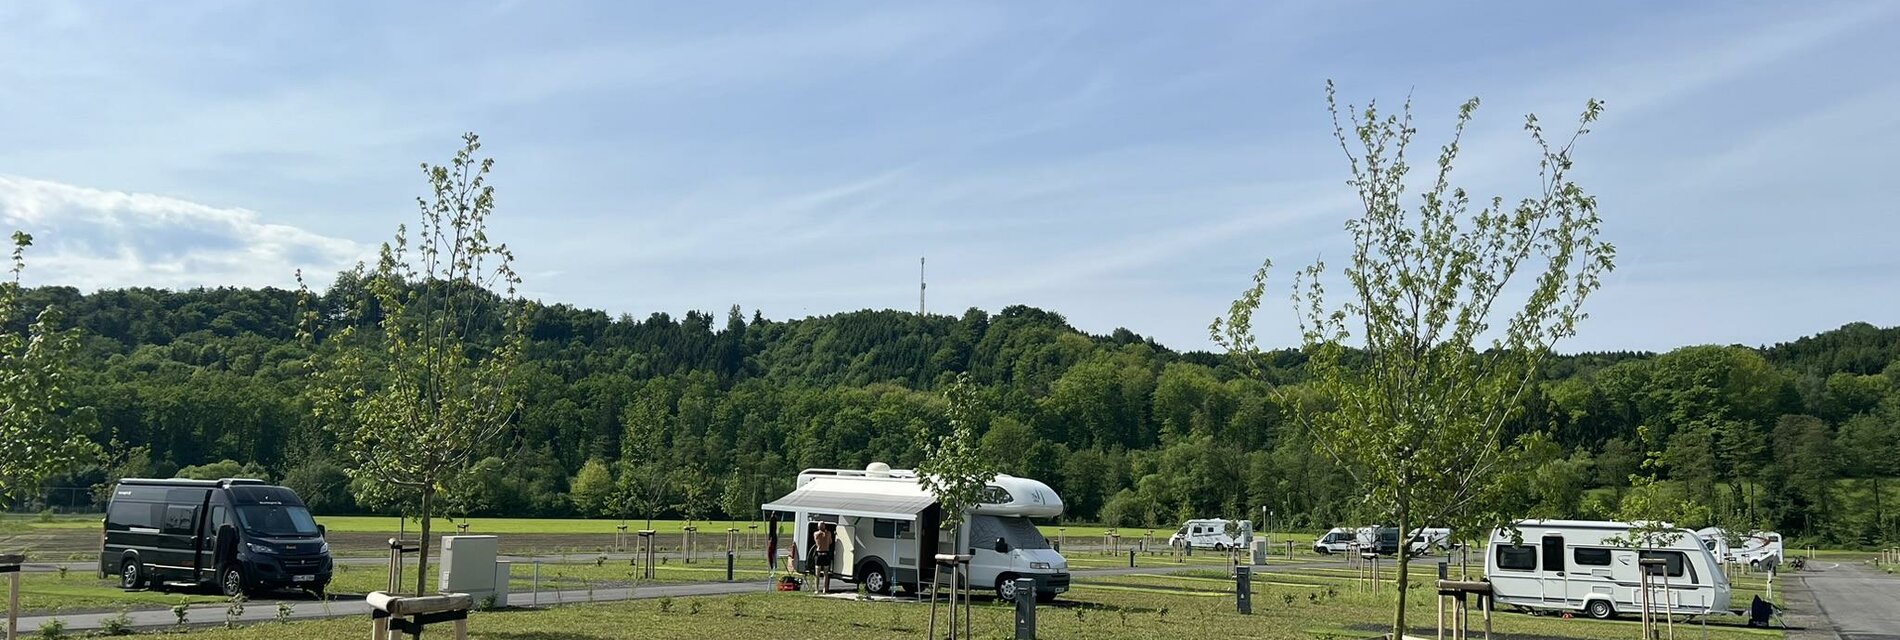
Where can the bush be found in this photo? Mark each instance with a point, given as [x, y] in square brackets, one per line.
[117, 625]
[54, 628]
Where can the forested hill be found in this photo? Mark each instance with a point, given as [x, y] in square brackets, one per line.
[1797, 435]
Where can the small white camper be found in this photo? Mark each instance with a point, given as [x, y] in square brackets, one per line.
[1573, 565]
[1213, 534]
[1349, 540]
[889, 530]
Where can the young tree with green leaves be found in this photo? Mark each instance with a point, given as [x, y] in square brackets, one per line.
[44, 434]
[955, 472]
[416, 377]
[1416, 383]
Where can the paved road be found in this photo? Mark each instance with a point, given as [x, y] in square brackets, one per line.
[266, 610]
[1857, 601]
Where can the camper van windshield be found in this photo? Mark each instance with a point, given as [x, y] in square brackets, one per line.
[1018, 531]
[277, 520]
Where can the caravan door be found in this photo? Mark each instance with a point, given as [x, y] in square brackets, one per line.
[1556, 580]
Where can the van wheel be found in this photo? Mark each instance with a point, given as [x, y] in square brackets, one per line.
[877, 579]
[1006, 587]
[1600, 609]
[131, 575]
[231, 580]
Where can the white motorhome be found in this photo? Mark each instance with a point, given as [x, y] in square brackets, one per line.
[889, 530]
[1756, 549]
[1347, 540]
[1576, 565]
[1429, 540]
[1213, 534]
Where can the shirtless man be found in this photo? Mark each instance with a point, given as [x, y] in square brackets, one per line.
[821, 545]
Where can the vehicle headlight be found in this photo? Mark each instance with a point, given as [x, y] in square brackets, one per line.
[324, 547]
[1039, 565]
[260, 548]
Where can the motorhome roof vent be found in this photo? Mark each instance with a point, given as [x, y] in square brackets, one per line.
[877, 469]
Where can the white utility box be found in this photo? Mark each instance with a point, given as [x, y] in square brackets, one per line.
[502, 569]
[1260, 551]
[468, 566]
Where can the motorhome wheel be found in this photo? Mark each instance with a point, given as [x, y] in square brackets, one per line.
[231, 580]
[131, 575]
[1006, 587]
[877, 579]
[1600, 609]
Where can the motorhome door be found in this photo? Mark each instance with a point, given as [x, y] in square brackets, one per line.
[1555, 579]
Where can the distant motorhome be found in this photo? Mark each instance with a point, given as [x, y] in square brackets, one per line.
[241, 535]
[1581, 565]
[1757, 549]
[889, 530]
[1430, 540]
[1213, 534]
[1380, 540]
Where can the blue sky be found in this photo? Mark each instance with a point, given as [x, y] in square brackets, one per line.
[1125, 164]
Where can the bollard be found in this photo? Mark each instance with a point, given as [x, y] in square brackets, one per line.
[1243, 590]
[1131, 558]
[1025, 609]
[10, 565]
[729, 560]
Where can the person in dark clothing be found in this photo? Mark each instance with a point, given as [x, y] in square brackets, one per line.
[822, 543]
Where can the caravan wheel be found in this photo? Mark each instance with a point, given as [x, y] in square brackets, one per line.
[1600, 609]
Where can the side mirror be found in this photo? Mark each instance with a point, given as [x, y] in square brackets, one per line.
[1002, 546]
[322, 532]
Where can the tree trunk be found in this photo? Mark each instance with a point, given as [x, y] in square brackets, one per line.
[422, 548]
[1880, 519]
[1405, 565]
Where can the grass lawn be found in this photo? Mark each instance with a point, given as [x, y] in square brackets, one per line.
[47, 592]
[1125, 607]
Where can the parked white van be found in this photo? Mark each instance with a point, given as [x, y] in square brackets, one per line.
[1345, 540]
[1756, 549]
[889, 530]
[1571, 565]
[1213, 534]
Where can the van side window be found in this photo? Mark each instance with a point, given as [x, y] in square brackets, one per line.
[180, 519]
[1517, 557]
[130, 515]
[1592, 557]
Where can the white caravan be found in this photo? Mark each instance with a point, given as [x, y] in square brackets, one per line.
[880, 512]
[1571, 565]
[1212, 534]
[1757, 548]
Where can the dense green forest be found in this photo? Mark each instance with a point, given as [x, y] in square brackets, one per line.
[716, 415]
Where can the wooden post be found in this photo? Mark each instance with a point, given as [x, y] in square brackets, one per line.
[10, 565]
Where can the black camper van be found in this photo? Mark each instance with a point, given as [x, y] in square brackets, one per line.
[240, 535]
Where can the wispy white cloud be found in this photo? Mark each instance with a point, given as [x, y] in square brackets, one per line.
[92, 238]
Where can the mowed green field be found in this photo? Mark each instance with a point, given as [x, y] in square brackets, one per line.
[1185, 606]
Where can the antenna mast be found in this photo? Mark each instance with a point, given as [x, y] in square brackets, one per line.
[920, 286]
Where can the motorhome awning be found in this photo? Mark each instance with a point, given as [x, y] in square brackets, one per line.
[862, 505]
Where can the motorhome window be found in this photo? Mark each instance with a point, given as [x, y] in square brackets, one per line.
[1520, 557]
[129, 515]
[1553, 553]
[181, 519]
[884, 529]
[277, 520]
[1019, 532]
[996, 495]
[1672, 561]
[904, 532]
[1592, 557]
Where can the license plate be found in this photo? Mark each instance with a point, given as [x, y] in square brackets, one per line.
[302, 578]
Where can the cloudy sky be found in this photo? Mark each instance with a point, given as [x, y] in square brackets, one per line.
[1124, 164]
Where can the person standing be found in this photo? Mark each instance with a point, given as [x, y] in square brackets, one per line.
[821, 544]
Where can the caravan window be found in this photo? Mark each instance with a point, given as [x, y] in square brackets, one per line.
[1018, 531]
[890, 529]
[1519, 557]
[1592, 557]
[1673, 561]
